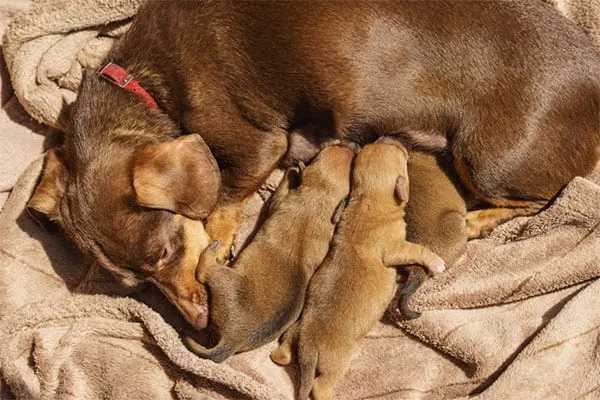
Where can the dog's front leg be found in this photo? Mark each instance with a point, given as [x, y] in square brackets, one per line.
[250, 159]
[480, 223]
[223, 225]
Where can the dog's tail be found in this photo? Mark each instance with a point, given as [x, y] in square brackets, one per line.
[219, 353]
[308, 358]
[416, 276]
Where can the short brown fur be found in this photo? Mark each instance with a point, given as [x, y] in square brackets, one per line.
[352, 288]
[435, 218]
[504, 86]
[254, 301]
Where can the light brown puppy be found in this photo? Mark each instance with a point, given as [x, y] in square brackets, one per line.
[258, 298]
[435, 217]
[352, 288]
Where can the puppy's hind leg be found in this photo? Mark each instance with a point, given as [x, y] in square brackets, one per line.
[284, 354]
[332, 367]
[416, 275]
[403, 253]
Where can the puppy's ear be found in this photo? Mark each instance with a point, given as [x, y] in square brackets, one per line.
[49, 192]
[402, 189]
[291, 180]
[337, 214]
[181, 176]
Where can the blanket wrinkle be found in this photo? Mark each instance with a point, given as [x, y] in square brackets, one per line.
[563, 351]
[529, 265]
[47, 45]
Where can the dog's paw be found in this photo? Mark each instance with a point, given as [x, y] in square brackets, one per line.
[224, 252]
[436, 265]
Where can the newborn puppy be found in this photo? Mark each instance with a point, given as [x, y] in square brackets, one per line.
[435, 217]
[352, 288]
[254, 301]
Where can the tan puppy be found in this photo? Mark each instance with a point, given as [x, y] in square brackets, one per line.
[353, 287]
[435, 217]
[256, 300]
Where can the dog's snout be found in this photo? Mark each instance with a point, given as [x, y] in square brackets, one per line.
[196, 314]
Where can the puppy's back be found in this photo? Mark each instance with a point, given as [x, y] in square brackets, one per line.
[436, 212]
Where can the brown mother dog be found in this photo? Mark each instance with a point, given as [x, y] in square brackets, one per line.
[510, 88]
[254, 301]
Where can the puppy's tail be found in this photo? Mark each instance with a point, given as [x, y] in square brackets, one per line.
[308, 358]
[219, 353]
[416, 276]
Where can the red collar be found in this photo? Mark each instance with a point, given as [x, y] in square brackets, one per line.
[118, 76]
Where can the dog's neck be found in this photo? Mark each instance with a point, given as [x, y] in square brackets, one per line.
[150, 61]
[105, 113]
[162, 86]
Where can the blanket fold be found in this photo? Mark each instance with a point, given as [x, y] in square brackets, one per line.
[554, 249]
[47, 46]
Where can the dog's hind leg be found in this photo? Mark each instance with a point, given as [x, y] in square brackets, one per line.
[481, 222]
[416, 275]
[331, 368]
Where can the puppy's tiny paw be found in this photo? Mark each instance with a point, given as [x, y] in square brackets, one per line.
[281, 357]
[437, 266]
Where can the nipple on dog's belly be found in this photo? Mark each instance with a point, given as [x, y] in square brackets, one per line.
[303, 145]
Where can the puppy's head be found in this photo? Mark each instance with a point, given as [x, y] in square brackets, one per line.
[382, 167]
[132, 197]
[326, 178]
[330, 169]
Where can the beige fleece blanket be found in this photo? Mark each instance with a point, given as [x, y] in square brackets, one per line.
[517, 317]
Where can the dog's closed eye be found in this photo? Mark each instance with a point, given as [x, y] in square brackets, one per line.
[165, 256]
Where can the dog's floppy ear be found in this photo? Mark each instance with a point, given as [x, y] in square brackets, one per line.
[180, 175]
[402, 189]
[49, 192]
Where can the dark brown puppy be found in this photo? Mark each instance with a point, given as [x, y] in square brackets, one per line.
[352, 288]
[435, 218]
[254, 301]
[511, 88]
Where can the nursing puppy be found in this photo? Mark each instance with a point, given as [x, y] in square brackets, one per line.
[351, 290]
[258, 298]
[435, 218]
